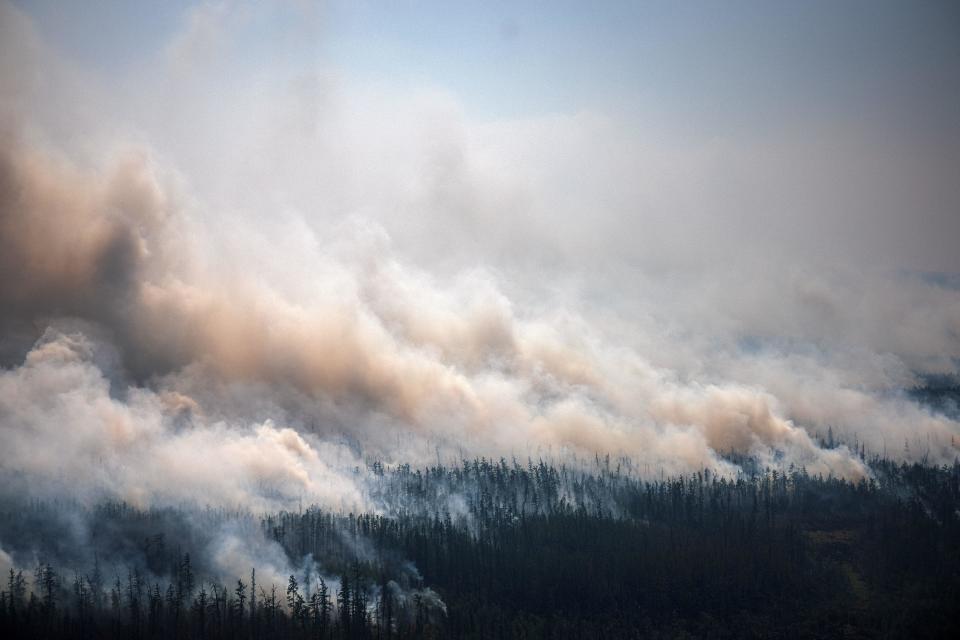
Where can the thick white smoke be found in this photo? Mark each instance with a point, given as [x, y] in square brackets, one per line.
[65, 433]
[230, 291]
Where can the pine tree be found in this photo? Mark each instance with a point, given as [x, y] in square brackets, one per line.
[17, 590]
[359, 608]
[239, 603]
[323, 596]
[295, 602]
[344, 602]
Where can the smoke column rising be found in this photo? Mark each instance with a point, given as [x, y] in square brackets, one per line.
[231, 292]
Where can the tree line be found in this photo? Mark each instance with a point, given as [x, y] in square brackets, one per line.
[492, 549]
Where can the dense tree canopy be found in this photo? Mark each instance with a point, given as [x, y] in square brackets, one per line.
[491, 549]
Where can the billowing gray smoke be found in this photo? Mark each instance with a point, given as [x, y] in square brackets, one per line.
[239, 314]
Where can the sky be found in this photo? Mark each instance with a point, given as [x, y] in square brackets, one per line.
[841, 113]
[290, 235]
[716, 65]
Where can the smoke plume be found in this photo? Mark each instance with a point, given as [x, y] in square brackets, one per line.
[241, 311]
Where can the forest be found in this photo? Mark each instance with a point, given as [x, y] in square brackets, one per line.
[495, 549]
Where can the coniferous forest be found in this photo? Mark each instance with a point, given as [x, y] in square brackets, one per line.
[493, 549]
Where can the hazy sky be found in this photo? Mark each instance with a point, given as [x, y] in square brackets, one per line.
[836, 117]
[663, 229]
[713, 66]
